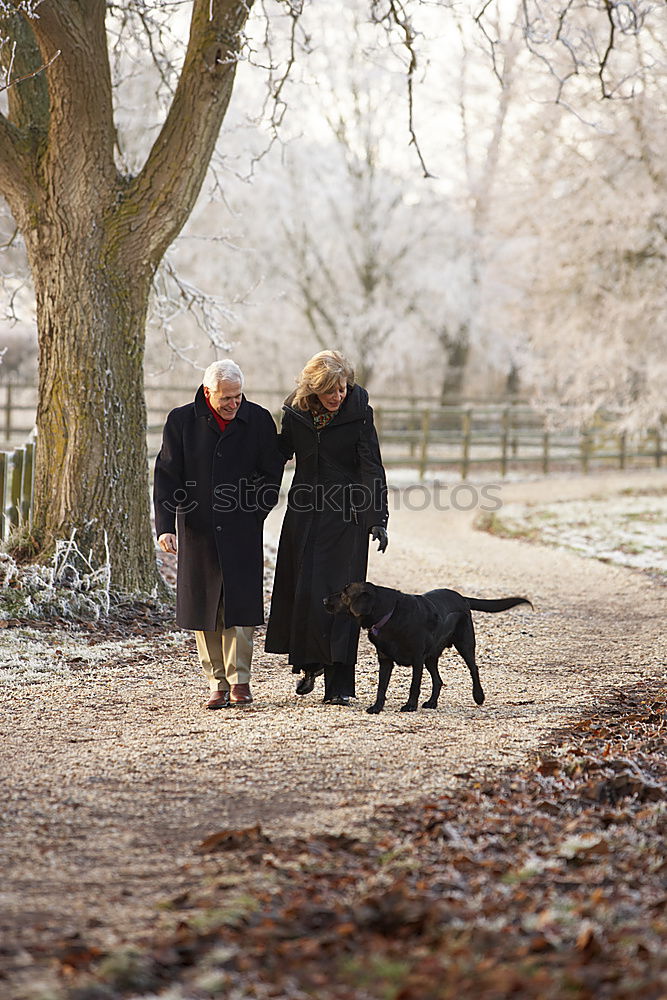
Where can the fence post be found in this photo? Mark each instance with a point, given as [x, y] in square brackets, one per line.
[8, 411]
[545, 453]
[658, 448]
[504, 439]
[426, 427]
[3, 490]
[27, 482]
[413, 424]
[622, 449]
[15, 474]
[466, 423]
[585, 449]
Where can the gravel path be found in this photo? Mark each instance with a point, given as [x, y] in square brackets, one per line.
[112, 772]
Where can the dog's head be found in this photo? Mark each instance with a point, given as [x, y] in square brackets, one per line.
[356, 600]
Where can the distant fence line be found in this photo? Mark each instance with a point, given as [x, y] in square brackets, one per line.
[487, 438]
[18, 405]
[505, 436]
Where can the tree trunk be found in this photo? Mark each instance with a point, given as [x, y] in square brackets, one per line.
[513, 380]
[92, 465]
[457, 351]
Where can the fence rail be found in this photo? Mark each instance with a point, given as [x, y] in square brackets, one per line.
[419, 434]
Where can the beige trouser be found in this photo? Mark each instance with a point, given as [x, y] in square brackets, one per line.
[226, 654]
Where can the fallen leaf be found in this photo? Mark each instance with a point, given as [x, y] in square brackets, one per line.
[232, 840]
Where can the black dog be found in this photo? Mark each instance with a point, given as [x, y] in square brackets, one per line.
[413, 630]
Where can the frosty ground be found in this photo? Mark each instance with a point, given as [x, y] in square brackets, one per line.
[112, 771]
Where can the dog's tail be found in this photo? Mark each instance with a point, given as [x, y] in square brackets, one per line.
[501, 604]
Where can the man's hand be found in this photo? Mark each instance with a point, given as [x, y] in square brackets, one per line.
[167, 542]
[379, 535]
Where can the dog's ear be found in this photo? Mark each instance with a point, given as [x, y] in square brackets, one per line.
[361, 604]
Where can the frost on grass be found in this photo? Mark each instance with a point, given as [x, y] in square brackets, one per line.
[70, 587]
[628, 530]
[37, 656]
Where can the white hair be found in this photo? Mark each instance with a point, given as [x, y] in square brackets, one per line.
[222, 371]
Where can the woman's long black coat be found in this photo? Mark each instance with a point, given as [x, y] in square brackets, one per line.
[214, 490]
[337, 495]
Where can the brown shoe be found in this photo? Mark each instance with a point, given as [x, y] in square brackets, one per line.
[240, 694]
[219, 699]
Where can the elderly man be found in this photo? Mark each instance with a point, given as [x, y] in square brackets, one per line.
[216, 478]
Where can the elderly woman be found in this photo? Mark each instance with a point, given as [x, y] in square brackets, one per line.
[337, 498]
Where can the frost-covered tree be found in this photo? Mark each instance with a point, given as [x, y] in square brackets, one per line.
[353, 236]
[595, 251]
[471, 314]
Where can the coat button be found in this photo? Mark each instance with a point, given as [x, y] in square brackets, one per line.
[218, 528]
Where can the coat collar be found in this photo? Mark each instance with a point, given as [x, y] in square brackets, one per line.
[353, 407]
[202, 409]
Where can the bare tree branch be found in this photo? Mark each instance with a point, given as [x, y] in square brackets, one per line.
[492, 42]
[587, 39]
[395, 16]
[158, 201]
[15, 81]
[608, 50]
[24, 77]
[176, 297]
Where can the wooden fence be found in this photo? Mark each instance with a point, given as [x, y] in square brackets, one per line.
[475, 438]
[17, 469]
[505, 437]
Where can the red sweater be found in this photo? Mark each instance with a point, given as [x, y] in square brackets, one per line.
[222, 424]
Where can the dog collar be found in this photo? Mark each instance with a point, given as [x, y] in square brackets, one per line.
[374, 629]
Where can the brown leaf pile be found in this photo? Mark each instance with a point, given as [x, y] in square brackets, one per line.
[549, 882]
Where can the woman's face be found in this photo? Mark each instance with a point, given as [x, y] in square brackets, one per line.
[332, 400]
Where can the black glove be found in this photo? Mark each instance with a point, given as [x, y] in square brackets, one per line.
[379, 535]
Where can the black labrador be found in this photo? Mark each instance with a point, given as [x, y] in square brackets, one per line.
[413, 630]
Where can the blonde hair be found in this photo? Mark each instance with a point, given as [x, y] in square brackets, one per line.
[321, 374]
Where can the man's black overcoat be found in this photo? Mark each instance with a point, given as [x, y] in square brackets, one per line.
[214, 489]
[338, 493]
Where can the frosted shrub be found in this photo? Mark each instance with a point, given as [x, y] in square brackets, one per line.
[8, 570]
[70, 587]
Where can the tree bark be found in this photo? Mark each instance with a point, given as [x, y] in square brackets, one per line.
[94, 240]
[91, 456]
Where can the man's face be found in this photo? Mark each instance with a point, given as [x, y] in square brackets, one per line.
[225, 398]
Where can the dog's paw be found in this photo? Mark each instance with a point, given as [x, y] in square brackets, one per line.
[430, 704]
[374, 709]
[478, 695]
[408, 707]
